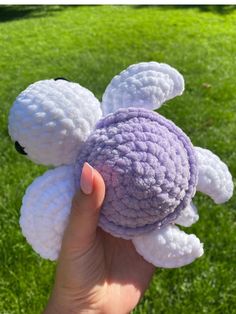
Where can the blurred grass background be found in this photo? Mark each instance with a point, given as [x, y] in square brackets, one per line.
[89, 45]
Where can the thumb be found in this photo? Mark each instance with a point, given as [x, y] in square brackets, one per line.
[80, 233]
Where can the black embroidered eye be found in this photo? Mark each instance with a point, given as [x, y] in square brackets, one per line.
[19, 148]
[61, 78]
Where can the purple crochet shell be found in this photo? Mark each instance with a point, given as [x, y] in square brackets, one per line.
[149, 168]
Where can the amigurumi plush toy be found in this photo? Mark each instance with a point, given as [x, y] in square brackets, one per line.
[150, 167]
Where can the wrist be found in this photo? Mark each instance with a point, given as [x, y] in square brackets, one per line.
[54, 307]
[57, 306]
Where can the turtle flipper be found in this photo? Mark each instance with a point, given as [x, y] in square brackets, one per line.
[45, 210]
[188, 216]
[146, 85]
[214, 178]
[168, 247]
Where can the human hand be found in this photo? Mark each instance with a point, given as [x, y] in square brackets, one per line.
[96, 272]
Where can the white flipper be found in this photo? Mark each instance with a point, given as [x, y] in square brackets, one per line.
[168, 247]
[146, 85]
[214, 178]
[188, 216]
[45, 210]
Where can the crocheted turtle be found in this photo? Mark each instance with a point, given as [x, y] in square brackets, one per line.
[149, 165]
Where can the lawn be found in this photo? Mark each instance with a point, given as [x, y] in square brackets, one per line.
[90, 45]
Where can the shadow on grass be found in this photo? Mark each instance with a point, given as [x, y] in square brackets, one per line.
[16, 12]
[219, 9]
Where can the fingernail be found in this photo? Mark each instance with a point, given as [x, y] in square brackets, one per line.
[86, 179]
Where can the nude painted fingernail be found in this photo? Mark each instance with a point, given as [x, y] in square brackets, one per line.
[86, 179]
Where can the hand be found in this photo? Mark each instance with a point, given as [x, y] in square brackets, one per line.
[96, 272]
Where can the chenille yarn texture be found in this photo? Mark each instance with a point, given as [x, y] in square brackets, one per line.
[143, 85]
[44, 230]
[149, 167]
[50, 119]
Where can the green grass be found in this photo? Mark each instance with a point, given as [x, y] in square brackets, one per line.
[90, 45]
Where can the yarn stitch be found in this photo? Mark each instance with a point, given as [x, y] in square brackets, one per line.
[149, 168]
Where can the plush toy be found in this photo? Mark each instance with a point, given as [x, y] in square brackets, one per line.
[150, 167]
